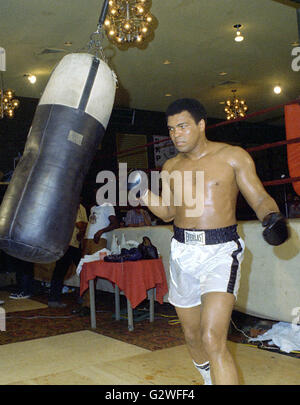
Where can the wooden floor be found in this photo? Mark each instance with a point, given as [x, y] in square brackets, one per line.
[11, 305]
[88, 358]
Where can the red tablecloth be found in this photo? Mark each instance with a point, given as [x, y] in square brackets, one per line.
[133, 278]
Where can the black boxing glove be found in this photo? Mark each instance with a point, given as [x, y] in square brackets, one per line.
[276, 231]
[138, 181]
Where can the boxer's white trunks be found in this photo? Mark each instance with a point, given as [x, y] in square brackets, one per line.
[202, 262]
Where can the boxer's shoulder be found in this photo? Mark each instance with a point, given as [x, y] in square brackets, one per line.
[218, 149]
[172, 163]
[236, 156]
[229, 150]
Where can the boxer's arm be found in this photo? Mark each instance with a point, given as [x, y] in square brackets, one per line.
[250, 185]
[276, 230]
[161, 209]
[162, 205]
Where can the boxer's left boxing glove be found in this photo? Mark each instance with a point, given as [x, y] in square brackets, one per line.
[276, 229]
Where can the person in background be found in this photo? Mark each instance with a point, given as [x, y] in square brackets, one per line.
[122, 224]
[24, 277]
[294, 207]
[72, 255]
[102, 220]
[137, 216]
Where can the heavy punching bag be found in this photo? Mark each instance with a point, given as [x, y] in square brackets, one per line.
[38, 212]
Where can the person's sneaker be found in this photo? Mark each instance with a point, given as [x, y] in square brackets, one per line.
[19, 296]
[56, 304]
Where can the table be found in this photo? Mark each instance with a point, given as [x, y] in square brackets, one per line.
[134, 278]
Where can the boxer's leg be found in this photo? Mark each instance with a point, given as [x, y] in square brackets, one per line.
[190, 322]
[190, 319]
[215, 318]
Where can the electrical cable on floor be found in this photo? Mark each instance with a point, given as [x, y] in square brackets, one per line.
[48, 316]
[41, 317]
[240, 330]
[170, 322]
[166, 316]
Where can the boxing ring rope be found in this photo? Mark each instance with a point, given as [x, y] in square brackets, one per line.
[255, 114]
[273, 145]
[250, 150]
[223, 123]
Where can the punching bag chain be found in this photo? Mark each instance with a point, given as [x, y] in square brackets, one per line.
[96, 39]
[95, 45]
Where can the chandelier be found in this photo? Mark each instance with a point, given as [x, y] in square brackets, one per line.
[8, 103]
[128, 21]
[235, 108]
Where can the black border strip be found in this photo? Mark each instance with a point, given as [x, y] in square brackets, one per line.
[89, 84]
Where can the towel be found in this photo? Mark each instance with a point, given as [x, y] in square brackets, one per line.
[90, 258]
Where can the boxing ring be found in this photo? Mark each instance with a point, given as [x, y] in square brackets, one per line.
[270, 280]
[270, 275]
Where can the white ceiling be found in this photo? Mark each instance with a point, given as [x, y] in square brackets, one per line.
[196, 36]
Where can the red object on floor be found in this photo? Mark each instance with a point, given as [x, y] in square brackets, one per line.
[133, 278]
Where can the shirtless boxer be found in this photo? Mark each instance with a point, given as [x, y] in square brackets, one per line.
[206, 251]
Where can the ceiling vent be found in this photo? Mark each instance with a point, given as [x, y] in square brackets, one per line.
[47, 51]
[228, 83]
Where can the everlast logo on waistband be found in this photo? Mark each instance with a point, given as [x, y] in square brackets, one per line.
[194, 237]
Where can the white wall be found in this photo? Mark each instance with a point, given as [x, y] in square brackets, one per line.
[270, 281]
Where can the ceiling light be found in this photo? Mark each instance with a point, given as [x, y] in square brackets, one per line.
[128, 21]
[68, 43]
[166, 62]
[277, 89]
[235, 107]
[8, 103]
[222, 74]
[238, 37]
[168, 95]
[31, 78]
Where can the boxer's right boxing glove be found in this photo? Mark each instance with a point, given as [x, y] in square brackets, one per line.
[276, 231]
[138, 180]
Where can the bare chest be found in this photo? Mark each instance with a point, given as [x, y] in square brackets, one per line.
[212, 177]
